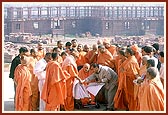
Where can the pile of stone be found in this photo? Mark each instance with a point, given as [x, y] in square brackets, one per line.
[8, 57]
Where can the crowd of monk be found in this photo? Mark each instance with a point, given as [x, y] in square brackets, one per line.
[43, 81]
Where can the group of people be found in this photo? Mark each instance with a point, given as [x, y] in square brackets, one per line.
[133, 76]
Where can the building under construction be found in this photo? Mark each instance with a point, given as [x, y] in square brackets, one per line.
[74, 20]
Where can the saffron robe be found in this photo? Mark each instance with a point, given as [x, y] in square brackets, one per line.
[34, 85]
[120, 101]
[23, 88]
[105, 59]
[81, 59]
[152, 95]
[142, 72]
[70, 68]
[112, 50]
[54, 88]
[91, 57]
[82, 75]
[130, 70]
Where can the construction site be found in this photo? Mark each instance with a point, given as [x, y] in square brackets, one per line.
[124, 24]
[75, 20]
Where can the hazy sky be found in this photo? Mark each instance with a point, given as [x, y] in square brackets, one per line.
[20, 4]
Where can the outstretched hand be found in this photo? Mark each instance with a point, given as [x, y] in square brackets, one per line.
[80, 81]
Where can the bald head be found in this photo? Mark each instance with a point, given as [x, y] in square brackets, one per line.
[144, 59]
[86, 67]
[95, 47]
[86, 48]
[150, 63]
[151, 73]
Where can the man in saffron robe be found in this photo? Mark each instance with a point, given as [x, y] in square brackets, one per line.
[140, 77]
[81, 60]
[23, 88]
[116, 60]
[34, 81]
[104, 57]
[143, 67]
[15, 62]
[120, 101]
[109, 47]
[53, 92]
[86, 48]
[84, 73]
[129, 70]
[152, 98]
[137, 53]
[70, 68]
[58, 51]
[91, 56]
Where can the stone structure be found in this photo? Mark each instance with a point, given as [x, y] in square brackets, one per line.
[102, 20]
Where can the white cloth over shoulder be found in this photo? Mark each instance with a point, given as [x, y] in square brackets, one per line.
[79, 90]
[39, 69]
[94, 88]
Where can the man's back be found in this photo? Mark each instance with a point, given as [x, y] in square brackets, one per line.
[107, 72]
[14, 64]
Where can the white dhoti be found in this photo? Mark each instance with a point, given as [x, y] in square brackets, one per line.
[42, 103]
[79, 90]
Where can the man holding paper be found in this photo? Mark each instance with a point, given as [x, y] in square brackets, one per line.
[106, 75]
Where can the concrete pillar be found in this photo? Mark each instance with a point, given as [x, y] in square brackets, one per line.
[29, 12]
[144, 11]
[153, 13]
[149, 11]
[135, 11]
[10, 13]
[39, 12]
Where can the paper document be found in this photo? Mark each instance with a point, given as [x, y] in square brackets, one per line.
[94, 88]
[79, 90]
